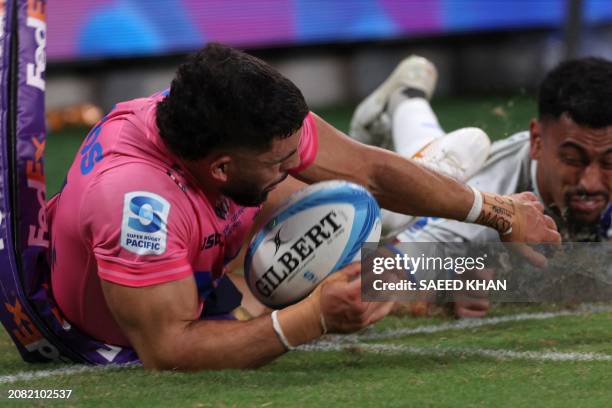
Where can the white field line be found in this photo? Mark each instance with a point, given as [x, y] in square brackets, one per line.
[463, 324]
[331, 343]
[364, 347]
[58, 372]
[459, 351]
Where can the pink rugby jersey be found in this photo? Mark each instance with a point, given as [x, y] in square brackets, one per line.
[131, 214]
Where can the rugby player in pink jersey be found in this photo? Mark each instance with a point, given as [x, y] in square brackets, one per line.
[164, 190]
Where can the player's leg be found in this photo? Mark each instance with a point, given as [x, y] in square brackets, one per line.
[398, 116]
[458, 154]
[414, 124]
[407, 91]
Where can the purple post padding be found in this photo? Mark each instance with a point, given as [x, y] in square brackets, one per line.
[27, 309]
[14, 312]
[23, 231]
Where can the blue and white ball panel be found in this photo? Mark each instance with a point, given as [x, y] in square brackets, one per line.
[317, 231]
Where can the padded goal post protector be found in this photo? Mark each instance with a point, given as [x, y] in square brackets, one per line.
[27, 309]
[23, 234]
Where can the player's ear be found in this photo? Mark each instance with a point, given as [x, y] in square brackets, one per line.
[219, 167]
[535, 139]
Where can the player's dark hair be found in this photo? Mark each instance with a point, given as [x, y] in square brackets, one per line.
[225, 98]
[580, 88]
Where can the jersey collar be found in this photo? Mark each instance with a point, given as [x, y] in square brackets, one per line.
[534, 180]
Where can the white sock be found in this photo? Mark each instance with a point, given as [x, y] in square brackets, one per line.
[415, 125]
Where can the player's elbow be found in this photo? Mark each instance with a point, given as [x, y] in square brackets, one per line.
[181, 359]
[164, 362]
[177, 364]
[167, 354]
[159, 365]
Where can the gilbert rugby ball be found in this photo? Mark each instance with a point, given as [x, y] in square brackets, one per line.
[317, 231]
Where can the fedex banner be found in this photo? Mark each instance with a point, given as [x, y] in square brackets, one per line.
[23, 229]
[27, 309]
[115, 28]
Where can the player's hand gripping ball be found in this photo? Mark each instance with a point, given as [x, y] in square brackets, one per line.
[317, 231]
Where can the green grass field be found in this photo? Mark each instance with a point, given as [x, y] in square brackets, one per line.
[522, 355]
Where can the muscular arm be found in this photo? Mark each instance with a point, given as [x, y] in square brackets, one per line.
[402, 186]
[398, 184]
[161, 323]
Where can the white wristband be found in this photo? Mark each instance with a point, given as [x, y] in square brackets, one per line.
[476, 206]
[279, 331]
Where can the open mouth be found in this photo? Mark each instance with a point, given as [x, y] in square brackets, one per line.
[585, 203]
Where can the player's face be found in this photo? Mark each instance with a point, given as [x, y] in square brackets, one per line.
[256, 174]
[574, 166]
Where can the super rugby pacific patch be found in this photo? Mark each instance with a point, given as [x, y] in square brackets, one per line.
[144, 223]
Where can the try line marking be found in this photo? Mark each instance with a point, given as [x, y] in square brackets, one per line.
[337, 343]
[71, 370]
[459, 351]
[462, 324]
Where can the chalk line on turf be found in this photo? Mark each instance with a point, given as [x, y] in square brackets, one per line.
[337, 343]
[463, 324]
[458, 351]
[72, 370]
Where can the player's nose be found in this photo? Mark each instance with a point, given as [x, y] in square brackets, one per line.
[592, 179]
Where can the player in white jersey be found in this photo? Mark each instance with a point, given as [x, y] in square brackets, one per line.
[565, 157]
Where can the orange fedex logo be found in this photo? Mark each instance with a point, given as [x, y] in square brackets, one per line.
[28, 335]
[36, 180]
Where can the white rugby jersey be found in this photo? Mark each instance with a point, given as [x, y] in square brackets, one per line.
[508, 170]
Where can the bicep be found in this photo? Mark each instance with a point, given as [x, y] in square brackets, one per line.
[338, 157]
[153, 317]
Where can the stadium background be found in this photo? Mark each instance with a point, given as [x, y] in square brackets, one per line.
[490, 56]
[336, 51]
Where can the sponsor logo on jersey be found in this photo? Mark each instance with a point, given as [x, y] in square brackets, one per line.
[222, 208]
[144, 224]
[211, 241]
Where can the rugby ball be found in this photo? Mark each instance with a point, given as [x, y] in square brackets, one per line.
[317, 231]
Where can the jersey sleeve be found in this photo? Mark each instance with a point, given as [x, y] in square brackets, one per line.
[137, 222]
[308, 146]
[506, 171]
[430, 229]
